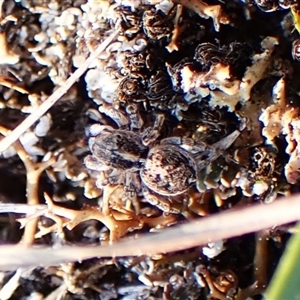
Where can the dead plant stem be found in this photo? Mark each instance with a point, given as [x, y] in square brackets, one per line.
[33, 172]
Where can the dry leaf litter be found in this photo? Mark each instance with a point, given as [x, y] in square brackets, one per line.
[193, 109]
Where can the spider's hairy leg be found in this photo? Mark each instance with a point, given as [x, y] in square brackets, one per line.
[132, 187]
[227, 141]
[161, 202]
[115, 114]
[96, 129]
[187, 144]
[111, 177]
[151, 134]
[136, 121]
[94, 163]
[212, 152]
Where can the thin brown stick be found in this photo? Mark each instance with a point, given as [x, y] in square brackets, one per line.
[260, 267]
[195, 233]
[19, 208]
[33, 173]
[46, 105]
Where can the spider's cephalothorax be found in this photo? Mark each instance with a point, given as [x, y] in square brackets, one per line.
[165, 169]
[118, 149]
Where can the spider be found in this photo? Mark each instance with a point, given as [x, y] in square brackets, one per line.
[157, 170]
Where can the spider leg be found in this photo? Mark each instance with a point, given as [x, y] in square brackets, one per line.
[121, 119]
[96, 129]
[187, 144]
[136, 121]
[161, 202]
[132, 187]
[113, 177]
[227, 141]
[91, 162]
[214, 151]
[151, 134]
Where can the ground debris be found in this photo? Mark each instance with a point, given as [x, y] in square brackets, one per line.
[177, 110]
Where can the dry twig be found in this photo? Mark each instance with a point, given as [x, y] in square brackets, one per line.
[33, 173]
[117, 223]
[199, 232]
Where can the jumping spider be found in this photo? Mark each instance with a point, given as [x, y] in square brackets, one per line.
[159, 170]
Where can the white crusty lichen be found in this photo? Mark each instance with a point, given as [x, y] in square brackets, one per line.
[98, 18]
[212, 250]
[257, 70]
[291, 128]
[281, 118]
[53, 48]
[218, 82]
[218, 77]
[163, 5]
[206, 11]
[253, 74]
[272, 115]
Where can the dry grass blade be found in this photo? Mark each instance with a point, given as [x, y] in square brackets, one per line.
[21, 208]
[45, 106]
[220, 226]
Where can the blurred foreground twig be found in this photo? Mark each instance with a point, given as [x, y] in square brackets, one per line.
[199, 232]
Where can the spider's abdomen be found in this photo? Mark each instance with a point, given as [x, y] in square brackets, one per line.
[169, 170]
